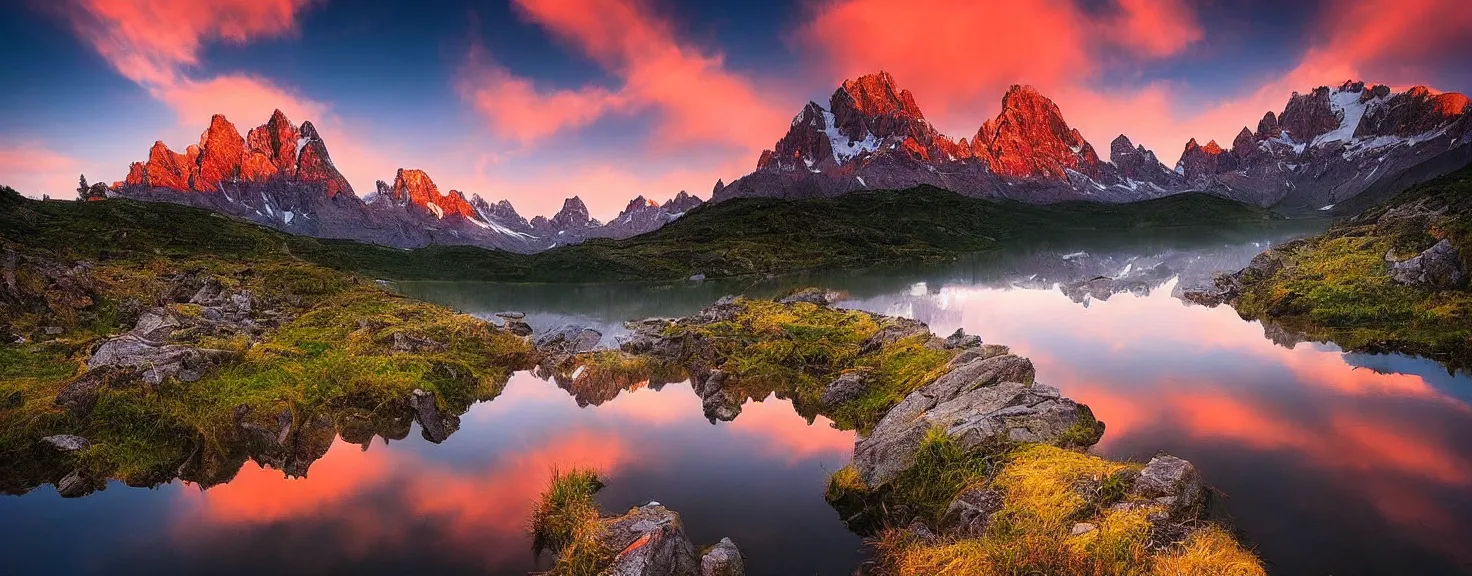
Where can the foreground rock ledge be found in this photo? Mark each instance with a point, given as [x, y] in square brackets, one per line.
[981, 399]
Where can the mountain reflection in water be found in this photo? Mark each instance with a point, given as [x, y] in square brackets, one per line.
[1329, 463]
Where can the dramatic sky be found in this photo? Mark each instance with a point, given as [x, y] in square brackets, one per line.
[537, 100]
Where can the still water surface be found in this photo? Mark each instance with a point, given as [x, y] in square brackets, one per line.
[1329, 463]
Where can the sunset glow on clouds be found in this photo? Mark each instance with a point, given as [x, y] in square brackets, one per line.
[538, 100]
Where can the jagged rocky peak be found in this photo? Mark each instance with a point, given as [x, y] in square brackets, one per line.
[414, 187]
[867, 116]
[1416, 111]
[875, 95]
[222, 152]
[1030, 139]
[1137, 163]
[807, 140]
[1268, 126]
[574, 214]
[1199, 161]
[501, 212]
[1308, 116]
[272, 148]
[682, 203]
[639, 203]
[1245, 144]
[223, 158]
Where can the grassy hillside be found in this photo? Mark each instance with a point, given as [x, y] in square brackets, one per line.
[1339, 286]
[234, 348]
[762, 236]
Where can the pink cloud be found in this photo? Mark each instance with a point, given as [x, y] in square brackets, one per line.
[960, 64]
[696, 99]
[517, 109]
[33, 169]
[149, 41]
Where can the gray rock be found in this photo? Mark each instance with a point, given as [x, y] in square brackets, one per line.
[724, 309]
[519, 328]
[960, 339]
[435, 426]
[75, 485]
[53, 330]
[156, 325]
[242, 301]
[1173, 483]
[415, 344]
[982, 352]
[1082, 528]
[156, 362]
[697, 277]
[67, 442]
[846, 387]
[986, 405]
[971, 512]
[647, 337]
[723, 559]
[511, 315]
[812, 296]
[718, 402]
[893, 331]
[1439, 266]
[568, 340]
[651, 541]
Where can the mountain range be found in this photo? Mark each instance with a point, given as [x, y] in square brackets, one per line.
[1325, 147]
[1328, 147]
[281, 175]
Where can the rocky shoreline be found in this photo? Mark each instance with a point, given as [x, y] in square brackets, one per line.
[1391, 279]
[978, 403]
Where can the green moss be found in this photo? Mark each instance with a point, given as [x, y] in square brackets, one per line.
[1044, 492]
[332, 354]
[1337, 286]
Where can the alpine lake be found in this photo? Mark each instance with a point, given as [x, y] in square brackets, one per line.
[1325, 462]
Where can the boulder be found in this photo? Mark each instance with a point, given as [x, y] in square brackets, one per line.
[722, 310]
[1438, 267]
[1172, 483]
[650, 541]
[518, 328]
[723, 559]
[67, 442]
[987, 405]
[960, 339]
[156, 362]
[716, 400]
[812, 296]
[971, 512]
[697, 277]
[511, 315]
[76, 484]
[982, 352]
[846, 387]
[647, 337]
[435, 426]
[893, 331]
[415, 344]
[568, 340]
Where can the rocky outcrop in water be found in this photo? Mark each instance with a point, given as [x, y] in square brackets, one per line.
[987, 405]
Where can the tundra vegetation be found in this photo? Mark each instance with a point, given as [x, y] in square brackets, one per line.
[1393, 278]
[180, 343]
